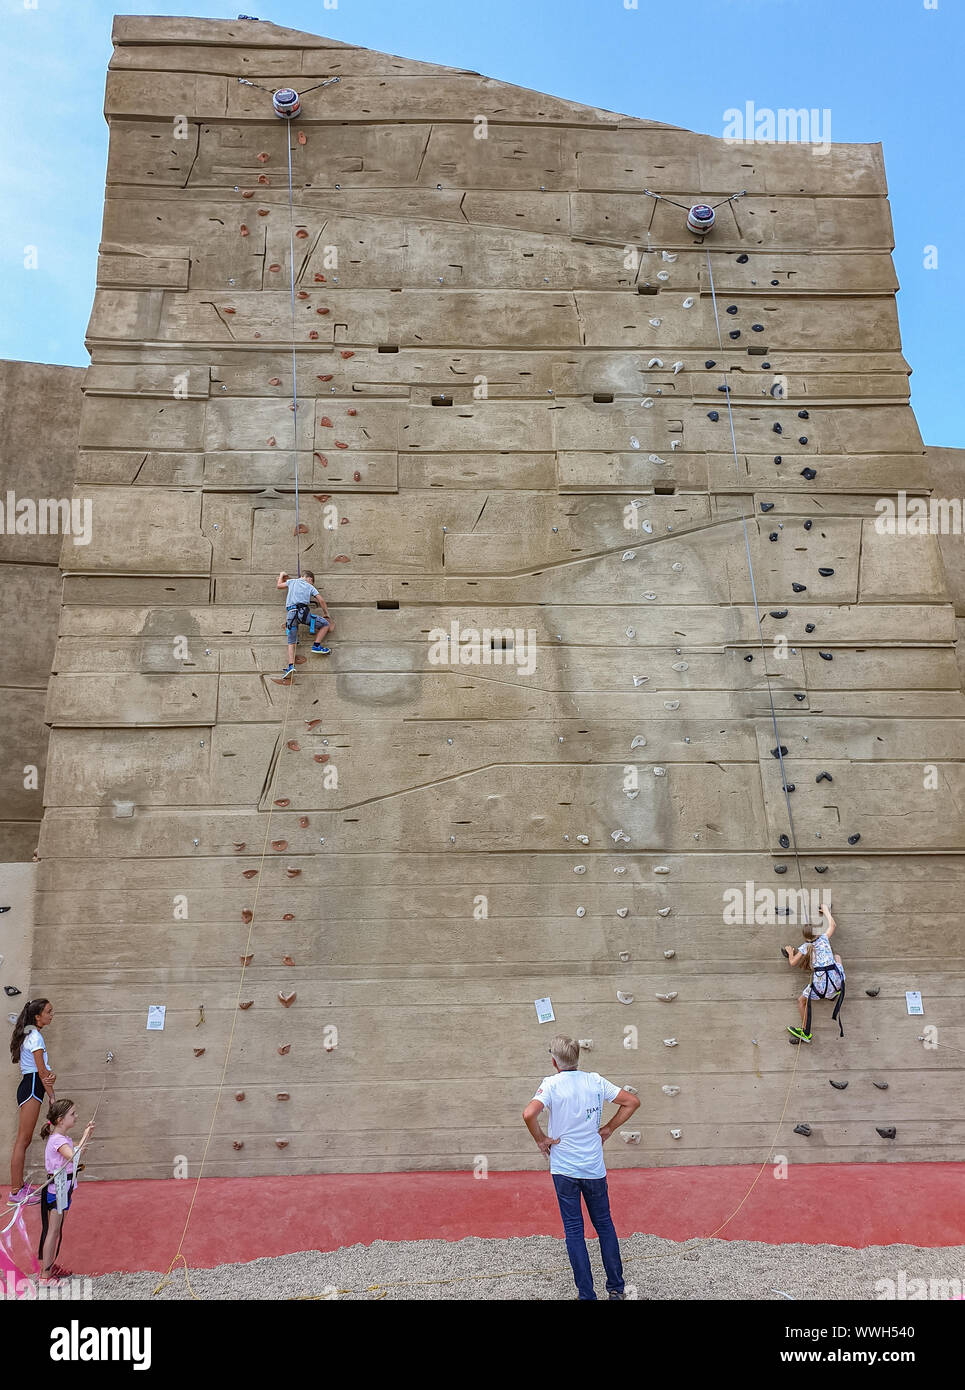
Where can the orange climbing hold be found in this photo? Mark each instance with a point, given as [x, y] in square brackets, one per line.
[341, 560]
[322, 757]
[200, 1051]
[283, 801]
[263, 178]
[287, 960]
[244, 230]
[263, 158]
[347, 354]
[302, 138]
[245, 1003]
[246, 960]
[302, 294]
[279, 845]
[293, 746]
[246, 914]
[300, 530]
[287, 999]
[250, 873]
[284, 1050]
[326, 378]
[340, 445]
[274, 381]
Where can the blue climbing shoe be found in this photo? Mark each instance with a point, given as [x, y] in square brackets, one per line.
[288, 671]
[319, 650]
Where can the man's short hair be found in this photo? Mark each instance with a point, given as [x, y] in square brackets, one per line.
[566, 1052]
[307, 574]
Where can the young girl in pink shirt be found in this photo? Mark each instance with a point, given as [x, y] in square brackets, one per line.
[59, 1152]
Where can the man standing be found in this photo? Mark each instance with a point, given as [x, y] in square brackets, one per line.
[575, 1101]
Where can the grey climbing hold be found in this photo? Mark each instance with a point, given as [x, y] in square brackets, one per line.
[779, 752]
[826, 656]
[586, 1044]
[780, 868]
[778, 612]
[820, 868]
[629, 555]
[581, 912]
[622, 911]
[798, 588]
[661, 869]
[784, 842]
[638, 742]
[579, 868]
[840, 1085]
[767, 506]
[713, 415]
[659, 772]
[881, 1085]
[675, 1134]
[825, 571]
[803, 1129]
[624, 955]
[809, 473]
[888, 1133]
[711, 363]
[853, 839]
[808, 627]
[824, 777]
[630, 1136]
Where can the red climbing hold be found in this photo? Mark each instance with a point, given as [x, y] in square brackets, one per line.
[237, 1144]
[358, 478]
[351, 412]
[248, 193]
[323, 311]
[301, 233]
[347, 354]
[200, 1051]
[274, 267]
[281, 1143]
[238, 846]
[319, 279]
[263, 158]
[292, 873]
[250, 873]
[262, 212]
[229, 311]
[287, 960]
[340, 445]
[300, 530]
[284, 1049]
[288, 917]
[312, 723]
[287, 999]
[322, 757]
[302, 294]
[325, 423]
[263, 178]
[302, 138]
[279, 845]
[313, 336]
[292, 746]
[274, 381]
[246, 914]
[246, 960]
[283, 801]
[244, 230]
[282, 1095]
[271, 441]
[304, 822]
[344, 521]
[341, 560]
[326, 378]
[239, 1095]
[245, 1003]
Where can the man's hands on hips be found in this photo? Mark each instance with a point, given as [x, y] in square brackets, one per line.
[605, 1132]
[545, 1144]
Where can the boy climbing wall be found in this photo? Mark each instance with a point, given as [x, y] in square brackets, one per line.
[301, 595]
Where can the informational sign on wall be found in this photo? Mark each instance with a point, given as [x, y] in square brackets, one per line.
[913, 1000]
[155, 1017]
[544, 1010]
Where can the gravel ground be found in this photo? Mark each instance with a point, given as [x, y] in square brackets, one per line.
[536, 1268]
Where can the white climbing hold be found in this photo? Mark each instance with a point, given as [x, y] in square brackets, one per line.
[670, 1090]
[640, 680]
[631, 631]
[662, 911]
[630, 1136]
[681, 666]
[646, 527]
[583, 839]
[661, 869]
[586, 1044]
[671, 704]
[579, 869]
[620, 869]
[632, 796]
[676, 1133]
[638, 742]
[677, 367]
[669, 955]
[624, 998]
[670, 1042]
[674, 445]
[617, 835]
[654, 323]
[581, 912]
[663, 275]
[622, 911]
[655, 458]
[659, 772]
[676, 566]
[629, 555]
[667, 998]
[624, 955]
[647, 402]
[651, 597]
[688, 302]
[634, 442]
[655, 362]
[668, 256]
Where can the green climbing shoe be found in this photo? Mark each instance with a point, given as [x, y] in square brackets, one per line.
[799, 1033]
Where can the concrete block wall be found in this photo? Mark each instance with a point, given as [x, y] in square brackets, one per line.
[501, 343]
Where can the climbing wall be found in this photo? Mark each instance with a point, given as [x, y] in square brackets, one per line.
[512, 418]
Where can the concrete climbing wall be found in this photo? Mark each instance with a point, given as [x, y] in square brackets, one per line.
[502, 343]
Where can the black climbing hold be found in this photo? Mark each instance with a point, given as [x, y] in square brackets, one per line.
[772, 536]
[803, 415]
[713, 415]
[825, 656]
[4, 909]
[888, 1133]
[820, 868]
[722, 388]
[784, 842]
[782, 751]
[765, 366]
[778, 458]
[802, 439]
[803, 1129]
[767, 506]
[777, 427]
[736, 333]
[11, 990]
[789, 787]
[809, 473]
[798, 588]
[778, 612]
[808, 525]
[798, 696]
[840, 1085]
[873, 993]
[757, 328]
[748, 658]
[775, 282]
[825, 571]
[881, 1085]
[780, 868]
[732, 308]
[743, 258]
[711, 363]
[808, 627]
[853, 839]
[824, 777]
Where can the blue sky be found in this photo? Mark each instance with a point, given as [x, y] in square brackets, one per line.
[888, 70]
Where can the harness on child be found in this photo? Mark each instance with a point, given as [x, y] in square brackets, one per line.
[302, 613]
[826, 993]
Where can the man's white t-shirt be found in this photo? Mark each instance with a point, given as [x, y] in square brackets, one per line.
[575, 1101]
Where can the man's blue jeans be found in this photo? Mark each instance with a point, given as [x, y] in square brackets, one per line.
[597, 1199]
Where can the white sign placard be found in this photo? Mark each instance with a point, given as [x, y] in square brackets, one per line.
[913, 1000]
[544, 1010]
[155, 1017]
